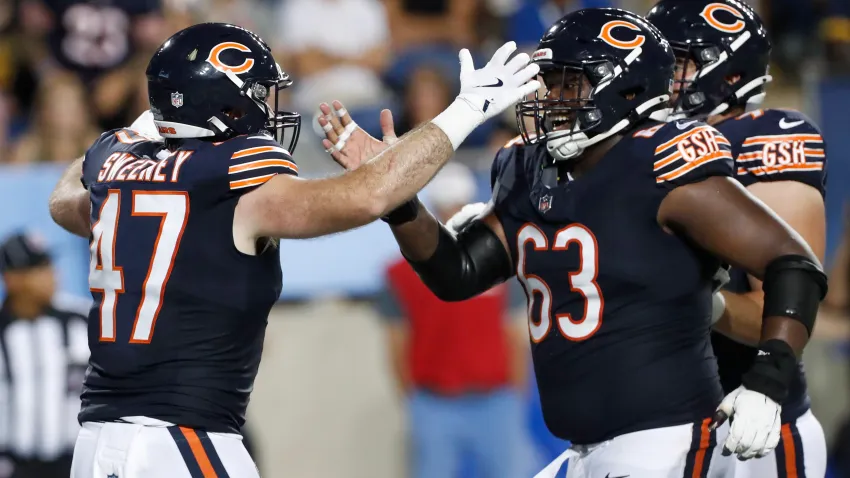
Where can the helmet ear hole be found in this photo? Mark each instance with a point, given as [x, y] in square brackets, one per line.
[632, 93]
[233, 113]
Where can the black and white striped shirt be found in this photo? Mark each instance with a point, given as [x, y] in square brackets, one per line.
[42, 365]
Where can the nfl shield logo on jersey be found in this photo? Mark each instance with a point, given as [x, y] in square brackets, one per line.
[545, 203]
[177, 99]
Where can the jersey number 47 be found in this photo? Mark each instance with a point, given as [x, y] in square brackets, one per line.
[106, 277]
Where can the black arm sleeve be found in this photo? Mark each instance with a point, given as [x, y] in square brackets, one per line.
[466, 265]
[793, 287]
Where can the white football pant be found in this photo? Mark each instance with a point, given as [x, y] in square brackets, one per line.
[683, 451]
[149, 448]
[801, 453]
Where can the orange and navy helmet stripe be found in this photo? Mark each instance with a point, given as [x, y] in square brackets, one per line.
[198, 452]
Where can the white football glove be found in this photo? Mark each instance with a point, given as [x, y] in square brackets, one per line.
[721, 278]
[486, 92]
[718, 302]
[756, 423]
[463, 217]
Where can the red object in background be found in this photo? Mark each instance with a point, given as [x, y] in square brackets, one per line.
[455, 347]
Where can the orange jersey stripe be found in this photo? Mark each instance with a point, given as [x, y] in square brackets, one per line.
[699, 459]
[813, 138]
[648, 132]
[263, 163]
[258, 150]
[762, 170]
[790, 455]
[662, 163]
[742, 171]
[244, 183]
[672, 142]
[198, 451]
[815, 153]
[754, 114]
[684, 169]
[750, 156]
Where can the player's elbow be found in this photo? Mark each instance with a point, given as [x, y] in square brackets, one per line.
[53, 205]
[795, 245]
[375, 206]
[450, 291]
[58, 206]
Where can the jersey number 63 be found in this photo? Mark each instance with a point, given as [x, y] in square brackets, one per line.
[582, 281]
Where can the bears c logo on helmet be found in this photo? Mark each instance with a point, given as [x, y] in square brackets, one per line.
[608, 38]
[709, 12]
[215, 60]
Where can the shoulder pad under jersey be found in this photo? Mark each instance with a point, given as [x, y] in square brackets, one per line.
[777, 145]
[511, 164]
[686, 151]
[121, 140]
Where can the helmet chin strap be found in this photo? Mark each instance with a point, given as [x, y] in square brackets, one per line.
[570, 145]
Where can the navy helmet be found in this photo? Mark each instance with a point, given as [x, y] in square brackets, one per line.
[214, 80]
[728, 44]
[604, 70]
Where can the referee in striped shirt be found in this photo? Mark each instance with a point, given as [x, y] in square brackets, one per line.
[43, 358]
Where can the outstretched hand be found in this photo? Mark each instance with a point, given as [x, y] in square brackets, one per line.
[349, 145]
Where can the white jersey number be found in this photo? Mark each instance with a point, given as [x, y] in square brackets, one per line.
[107, 278]
[582, 281]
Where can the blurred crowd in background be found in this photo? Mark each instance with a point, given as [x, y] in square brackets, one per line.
[71, 69]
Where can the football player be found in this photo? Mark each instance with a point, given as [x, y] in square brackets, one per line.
[613, 219]
[722, 53]
[184, 268]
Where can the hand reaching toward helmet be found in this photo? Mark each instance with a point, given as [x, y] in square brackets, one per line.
[484, 93]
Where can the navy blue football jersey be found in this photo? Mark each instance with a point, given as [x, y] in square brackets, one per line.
[770, 145]
[619, 309]
[90, 37]
[176, 331]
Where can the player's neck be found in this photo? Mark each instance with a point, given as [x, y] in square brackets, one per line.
[24, 307]
[717, 119]
[592, 155]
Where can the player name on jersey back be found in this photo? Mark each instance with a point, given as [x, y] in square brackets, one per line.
[122, 167]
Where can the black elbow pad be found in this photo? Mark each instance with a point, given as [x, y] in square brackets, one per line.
[793, 287]
[466, 265]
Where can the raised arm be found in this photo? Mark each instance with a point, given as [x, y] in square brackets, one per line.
[296, 208]
[69, 202]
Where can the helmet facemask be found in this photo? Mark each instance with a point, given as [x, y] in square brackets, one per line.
[703, 69]
[693, 62]
[576, 113]
[262, 94]
[566, 109]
